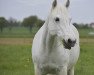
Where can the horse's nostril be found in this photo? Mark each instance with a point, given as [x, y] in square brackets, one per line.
[57, 19]
[69, 41]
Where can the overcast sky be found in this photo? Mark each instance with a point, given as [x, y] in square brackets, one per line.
[80, 10]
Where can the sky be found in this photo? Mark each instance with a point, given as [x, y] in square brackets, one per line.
[81, 11]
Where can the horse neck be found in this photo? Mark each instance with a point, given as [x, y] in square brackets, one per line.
[48, 39]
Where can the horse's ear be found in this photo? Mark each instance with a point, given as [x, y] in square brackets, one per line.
[54, 4]
[67, 3]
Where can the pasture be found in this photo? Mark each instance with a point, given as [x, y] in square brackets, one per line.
[18, 32]
[15, 52]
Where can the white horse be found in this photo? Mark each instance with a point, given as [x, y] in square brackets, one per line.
[55, 48]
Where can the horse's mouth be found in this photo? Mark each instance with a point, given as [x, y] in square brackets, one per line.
[68, 45]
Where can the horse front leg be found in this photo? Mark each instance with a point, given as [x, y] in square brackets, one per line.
[37, 70]
[63, 71]
[71, 71]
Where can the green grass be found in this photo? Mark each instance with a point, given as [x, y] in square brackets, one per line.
[84, 33]
[18, 32]
[15, 60]
[85, 65]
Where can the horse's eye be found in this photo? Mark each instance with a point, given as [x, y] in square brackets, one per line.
[57, 19]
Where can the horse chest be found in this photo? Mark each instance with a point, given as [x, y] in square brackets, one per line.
[52, 62]
[55, 58]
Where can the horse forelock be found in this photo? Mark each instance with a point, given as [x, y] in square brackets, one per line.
[59, 9]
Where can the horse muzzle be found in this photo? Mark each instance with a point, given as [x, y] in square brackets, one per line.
[69, 43]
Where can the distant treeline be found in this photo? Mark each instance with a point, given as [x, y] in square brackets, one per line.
[81, 25]
[29, 22]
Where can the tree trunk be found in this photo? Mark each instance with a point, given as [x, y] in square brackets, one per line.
[1, 29]
[31, 26]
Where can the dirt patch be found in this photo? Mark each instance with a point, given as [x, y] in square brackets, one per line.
[28, 41]
[15, 41]
[86, 40]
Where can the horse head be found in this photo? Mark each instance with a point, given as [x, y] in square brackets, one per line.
[59, 24]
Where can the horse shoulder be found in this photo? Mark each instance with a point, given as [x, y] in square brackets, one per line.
[37, 42]
[74, 53]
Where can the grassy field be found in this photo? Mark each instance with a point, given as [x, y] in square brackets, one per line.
[15, 52]
[18, 32]
[15, 60]
[85, 33]
[85, 65]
